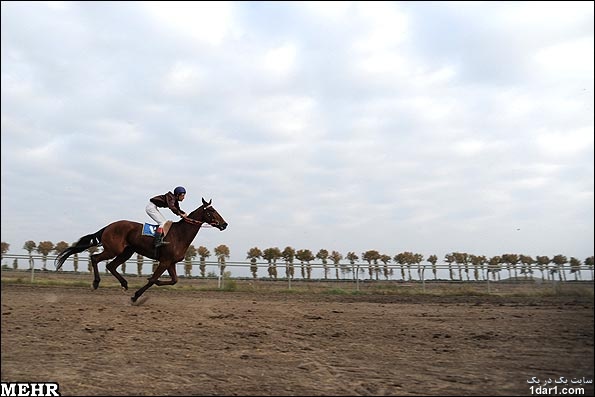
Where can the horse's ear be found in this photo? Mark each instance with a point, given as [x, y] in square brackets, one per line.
[205, 203]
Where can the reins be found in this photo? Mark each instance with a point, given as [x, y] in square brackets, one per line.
[198, 223]
[193, 221]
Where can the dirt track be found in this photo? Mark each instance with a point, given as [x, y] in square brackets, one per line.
[242, 343]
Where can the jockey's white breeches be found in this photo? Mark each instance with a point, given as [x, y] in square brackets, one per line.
[153, 212]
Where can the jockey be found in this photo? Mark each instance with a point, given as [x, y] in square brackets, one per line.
[168, 200]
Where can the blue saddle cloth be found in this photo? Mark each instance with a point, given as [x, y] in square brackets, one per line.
[149, 230]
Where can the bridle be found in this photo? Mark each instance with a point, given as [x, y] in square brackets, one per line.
[196, 222]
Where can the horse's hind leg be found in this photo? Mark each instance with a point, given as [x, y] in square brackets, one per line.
[95, 259]
[96, 278]
[118, 260]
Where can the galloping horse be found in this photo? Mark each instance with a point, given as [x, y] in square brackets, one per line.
[123, 238]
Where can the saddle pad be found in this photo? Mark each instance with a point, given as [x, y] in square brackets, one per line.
[149, 230]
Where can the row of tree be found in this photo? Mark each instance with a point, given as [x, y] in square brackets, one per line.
[378, 264]
[45, 248]
[461, 265]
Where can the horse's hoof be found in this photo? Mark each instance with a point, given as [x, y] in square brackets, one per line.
[95, 284]
[124, 287]
[133, 299]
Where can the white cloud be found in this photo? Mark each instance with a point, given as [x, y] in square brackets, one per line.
[386, 26]
[334, 10]
[206, 21]
[59, 5]
[566, 143]
[183, 79]
[280, 60]
[285, 116]
[468, 147]
[567, 58]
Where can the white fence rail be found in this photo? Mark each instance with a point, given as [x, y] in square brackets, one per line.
[317, 271]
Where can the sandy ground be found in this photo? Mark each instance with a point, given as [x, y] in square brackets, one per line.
[180, 342]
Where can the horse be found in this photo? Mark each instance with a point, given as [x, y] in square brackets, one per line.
[121, 239]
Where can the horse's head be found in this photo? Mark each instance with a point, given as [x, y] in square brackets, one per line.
[207, 214]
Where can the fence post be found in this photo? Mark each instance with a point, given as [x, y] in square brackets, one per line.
[488, 277]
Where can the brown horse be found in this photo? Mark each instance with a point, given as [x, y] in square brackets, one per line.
[121, 239]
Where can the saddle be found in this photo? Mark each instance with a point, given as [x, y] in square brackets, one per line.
[149, 229]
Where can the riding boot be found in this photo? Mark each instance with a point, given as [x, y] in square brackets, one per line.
[159, 239]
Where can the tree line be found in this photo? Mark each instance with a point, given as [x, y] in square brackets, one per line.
[461, 266]
[45, 248]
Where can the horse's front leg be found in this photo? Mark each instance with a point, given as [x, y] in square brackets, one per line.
[172, 273]
[138, 293]
[152, 280]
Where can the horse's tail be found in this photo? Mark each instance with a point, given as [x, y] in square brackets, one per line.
[88, 241]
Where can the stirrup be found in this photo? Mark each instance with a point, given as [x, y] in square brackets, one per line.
[159, 241]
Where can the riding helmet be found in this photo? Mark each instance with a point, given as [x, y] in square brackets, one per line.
[179, 190]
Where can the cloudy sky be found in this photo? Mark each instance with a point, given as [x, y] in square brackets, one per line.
[424, 127]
